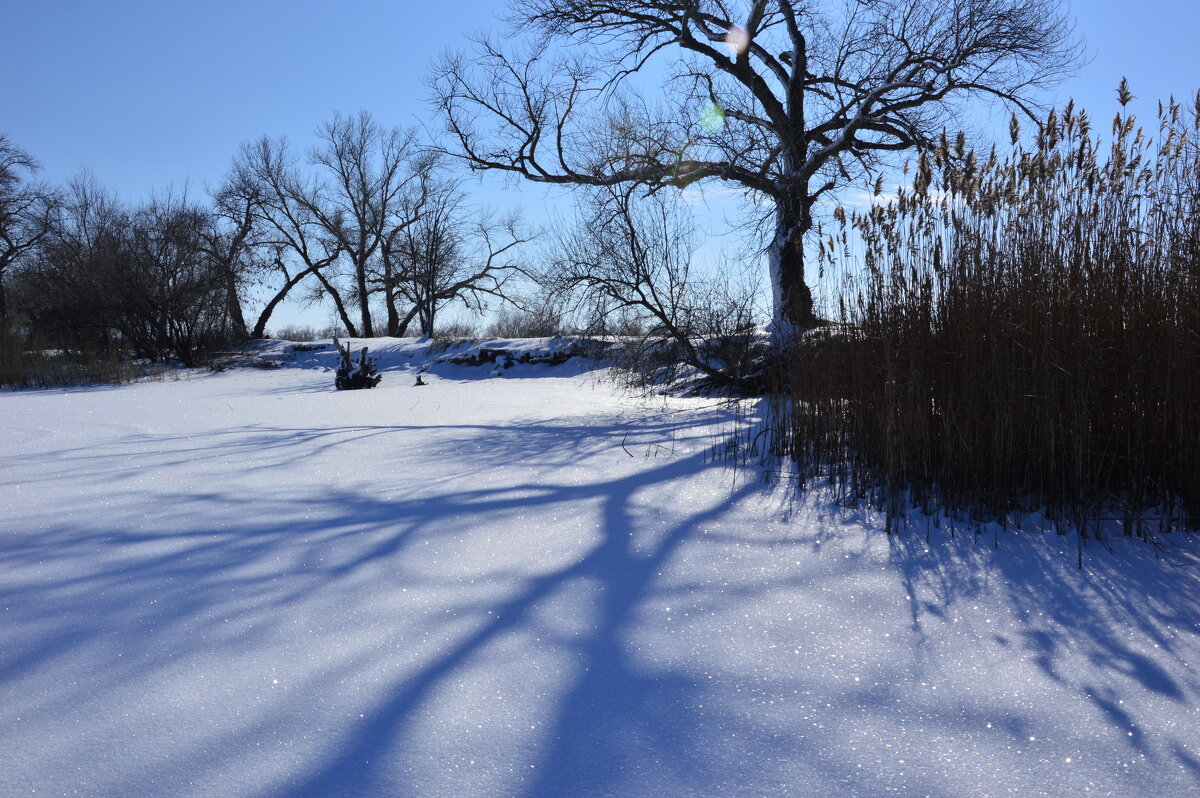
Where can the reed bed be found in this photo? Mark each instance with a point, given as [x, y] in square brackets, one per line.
[1022, 334]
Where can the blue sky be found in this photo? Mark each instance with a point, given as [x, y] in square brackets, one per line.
[147, 94]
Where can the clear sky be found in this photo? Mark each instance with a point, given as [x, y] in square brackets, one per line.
[147, 93]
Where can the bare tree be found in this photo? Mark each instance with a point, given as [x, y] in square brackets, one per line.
[632, 256]
[140, 277]
[391, 269]
[363, 193]
[169, 293]
[27, 211]
[60, 291]
[451, 252]
[787, 99]
[265, 174]
[367, 186]
[235, 241]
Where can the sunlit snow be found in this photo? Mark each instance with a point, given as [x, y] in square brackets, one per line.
[534, 584]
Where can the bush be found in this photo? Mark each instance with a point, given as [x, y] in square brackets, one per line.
[1025, 334]
[539, 321]
[455, 332]
[307, 334]
[23, 365]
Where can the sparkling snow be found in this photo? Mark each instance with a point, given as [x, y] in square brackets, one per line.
[536, 585]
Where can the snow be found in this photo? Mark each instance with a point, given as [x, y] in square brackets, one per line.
[249, 584]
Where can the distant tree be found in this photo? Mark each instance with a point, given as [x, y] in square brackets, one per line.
[63, 291]
[140, 277]
[357, 190]
[170, 298]
[452, 252]
[390, 271]
[362, 194]
[27, 212]
[786, 99]
[265, 174]
[235, 240]
[628, 256]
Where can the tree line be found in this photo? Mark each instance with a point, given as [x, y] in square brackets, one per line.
[370, 219]
[787, 101]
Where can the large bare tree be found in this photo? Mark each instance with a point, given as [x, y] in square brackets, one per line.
[266, 177]
[786, 99]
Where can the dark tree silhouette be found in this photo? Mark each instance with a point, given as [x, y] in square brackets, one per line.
[27, 211]
[266, 172]
[369, 184]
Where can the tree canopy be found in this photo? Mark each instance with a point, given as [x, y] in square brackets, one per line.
[787, 100]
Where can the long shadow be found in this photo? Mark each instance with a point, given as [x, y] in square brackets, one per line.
[279, 447]
[617, 716]
[195, 590]
[611, 708]
[1098, 617]
[247, 560]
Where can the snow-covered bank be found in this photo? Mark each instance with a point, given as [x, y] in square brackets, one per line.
[249, 584]
[423, 355]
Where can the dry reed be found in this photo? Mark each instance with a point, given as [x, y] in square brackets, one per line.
[1023, 334]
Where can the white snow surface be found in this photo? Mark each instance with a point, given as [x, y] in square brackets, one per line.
[526, 582]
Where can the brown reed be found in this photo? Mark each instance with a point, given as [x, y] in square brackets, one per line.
[1022, 333]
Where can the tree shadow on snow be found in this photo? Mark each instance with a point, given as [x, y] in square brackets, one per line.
[1120, 627]
[140, 600]
[144, 600]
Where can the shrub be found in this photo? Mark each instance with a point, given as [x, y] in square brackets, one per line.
[307, 334]
[23, 365]
[539, 321]
[455, 332]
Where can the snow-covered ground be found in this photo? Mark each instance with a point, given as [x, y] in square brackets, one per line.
[523, 582]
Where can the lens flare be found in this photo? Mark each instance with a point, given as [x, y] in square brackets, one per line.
[712, 118]
[737, 41]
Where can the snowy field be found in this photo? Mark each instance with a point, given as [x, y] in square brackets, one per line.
[531, 584]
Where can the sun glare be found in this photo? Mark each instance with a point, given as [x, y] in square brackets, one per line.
[737, 41]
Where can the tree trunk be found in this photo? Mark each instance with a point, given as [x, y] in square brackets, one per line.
[337, 303]
[360, 276]
[233, 306]
[793, 300]
[402, 326]
[260, 327]
[5, 261]
[425, 317]
[389, 303]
